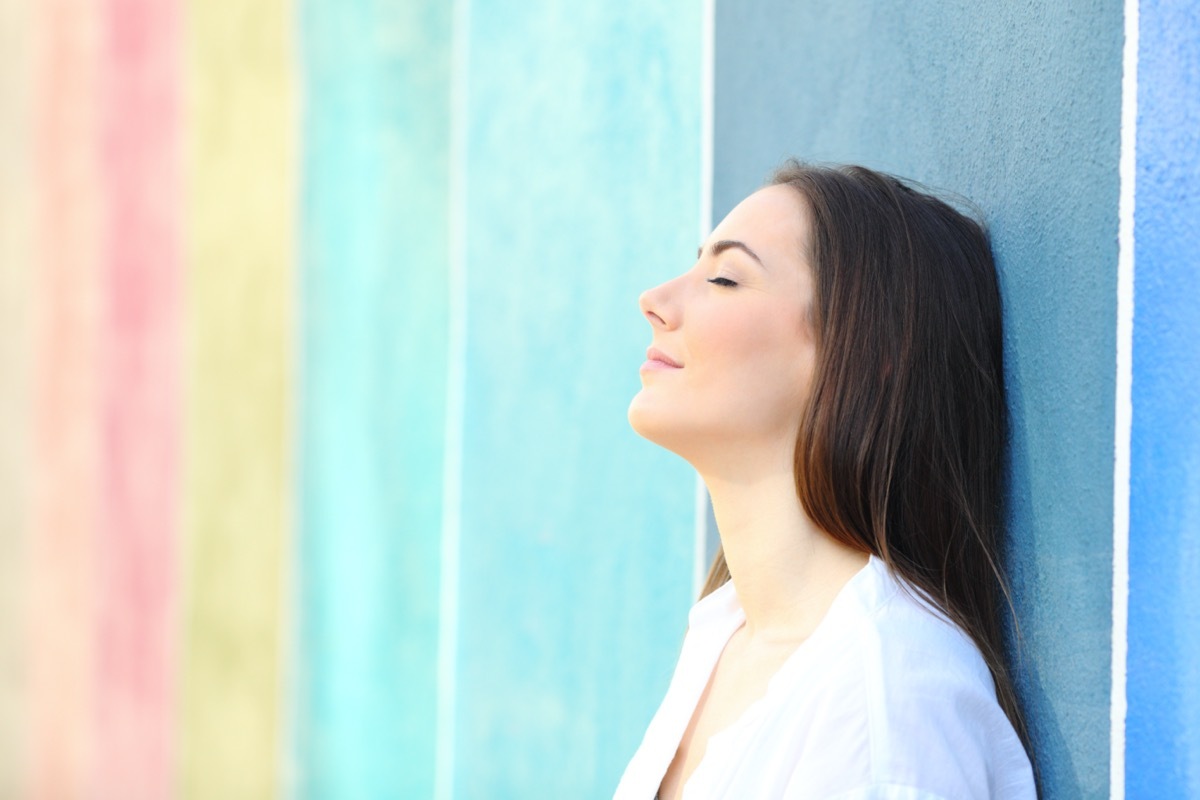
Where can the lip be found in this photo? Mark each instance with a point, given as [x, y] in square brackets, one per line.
[657, 359]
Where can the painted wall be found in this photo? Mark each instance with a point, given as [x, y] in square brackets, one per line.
[237, 213]
[16, 362]
[374, 254]
[1163, 732]
[485, 195]
[321, 324]
[580, 188]
[1017, 107]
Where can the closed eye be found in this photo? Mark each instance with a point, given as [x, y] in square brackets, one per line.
[722, 282]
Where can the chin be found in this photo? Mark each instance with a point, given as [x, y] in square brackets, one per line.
[638, 415]
[645, 420]
[664, 427]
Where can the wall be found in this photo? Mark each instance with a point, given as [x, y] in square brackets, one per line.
[1163, 733]
[237, 217]
[321, 325]
[1017, 107]
[374, 354]
[573, 531]
[476, 516]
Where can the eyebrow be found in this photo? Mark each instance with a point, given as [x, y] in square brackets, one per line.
[731, 244]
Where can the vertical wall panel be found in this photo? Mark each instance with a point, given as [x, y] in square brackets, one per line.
[65, 396]
[582, 189]
[1016, 106]
[374, 278]
[1163, 729]
[17, 279]
[135, 560]
[239, 165]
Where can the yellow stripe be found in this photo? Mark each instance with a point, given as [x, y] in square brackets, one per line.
[239, 129]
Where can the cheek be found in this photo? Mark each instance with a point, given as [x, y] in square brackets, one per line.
[760, 368]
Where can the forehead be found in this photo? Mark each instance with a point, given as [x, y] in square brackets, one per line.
[773, 222]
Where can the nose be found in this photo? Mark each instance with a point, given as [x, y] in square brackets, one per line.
[655, 308]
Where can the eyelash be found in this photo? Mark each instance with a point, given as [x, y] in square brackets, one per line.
[722, 282]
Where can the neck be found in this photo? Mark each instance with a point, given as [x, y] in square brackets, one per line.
[786, 570]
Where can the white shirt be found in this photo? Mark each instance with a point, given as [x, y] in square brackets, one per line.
[885, 700]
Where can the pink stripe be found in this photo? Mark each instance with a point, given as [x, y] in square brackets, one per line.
[63, 469]
[136, 575]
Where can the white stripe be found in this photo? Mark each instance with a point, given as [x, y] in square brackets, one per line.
[700, 555]
[447, 665]
[708, 45]
[1124, 404]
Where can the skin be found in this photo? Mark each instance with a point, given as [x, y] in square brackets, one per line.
[731, 409]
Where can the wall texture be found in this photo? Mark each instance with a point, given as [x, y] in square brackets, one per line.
[374, 251]
[238, 158]
[470, 345]
[16, 283]
[1017, 107]
[1163, 735]
[574, 533]
[321, 325]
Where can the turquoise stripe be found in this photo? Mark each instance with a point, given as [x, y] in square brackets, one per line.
[374, 264]
[582, 189]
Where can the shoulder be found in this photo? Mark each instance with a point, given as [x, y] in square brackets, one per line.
[899, 643]
[913, 645]
[912, 689]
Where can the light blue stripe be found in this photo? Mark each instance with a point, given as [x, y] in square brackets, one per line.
[1163, 685]
[374, 273]
[576, 537]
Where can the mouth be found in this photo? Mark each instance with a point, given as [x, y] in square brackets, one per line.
[657, 359]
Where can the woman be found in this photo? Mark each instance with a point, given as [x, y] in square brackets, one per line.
[832, 368]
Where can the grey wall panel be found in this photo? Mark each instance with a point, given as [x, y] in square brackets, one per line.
[1016, 106]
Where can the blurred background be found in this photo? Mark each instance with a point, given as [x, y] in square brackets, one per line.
[319, 327]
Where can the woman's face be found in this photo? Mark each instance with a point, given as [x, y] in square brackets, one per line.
[732, 352]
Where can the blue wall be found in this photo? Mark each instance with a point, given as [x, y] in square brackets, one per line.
[582, 189]
[579, 164]
[1163, 731]
[374, 337]
[1017, 107]
[574, 131]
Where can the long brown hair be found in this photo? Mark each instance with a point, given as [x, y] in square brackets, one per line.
[902, 441]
